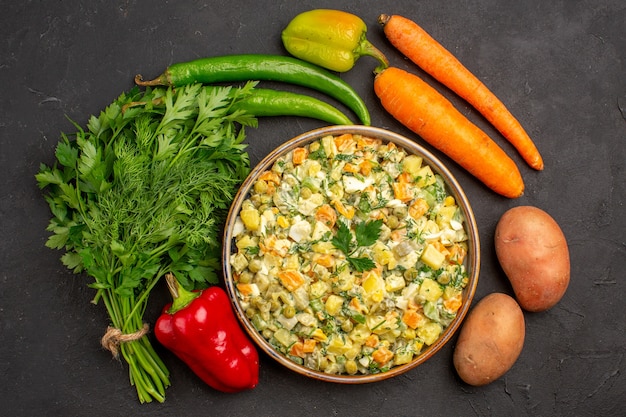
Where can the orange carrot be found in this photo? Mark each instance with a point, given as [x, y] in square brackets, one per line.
[326, 260]
[299, 155]
[365, 167]
[418, 208]
[346, 211]
[416, 44]
[309, 346]
[270, 176]
[411, 318]
[421, 108]
[372, 340]
[297, 349]
[382, 355]
[326, 214]
[291, 279]
[403, 191]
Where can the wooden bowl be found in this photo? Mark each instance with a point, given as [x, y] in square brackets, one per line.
[471, 262]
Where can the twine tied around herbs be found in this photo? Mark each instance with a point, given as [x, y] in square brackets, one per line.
[114, 337]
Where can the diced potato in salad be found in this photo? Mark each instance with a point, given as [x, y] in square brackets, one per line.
[350, 255]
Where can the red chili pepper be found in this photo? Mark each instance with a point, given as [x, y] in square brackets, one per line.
[201, 329]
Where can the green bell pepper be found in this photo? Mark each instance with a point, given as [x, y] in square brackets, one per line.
[332, 39]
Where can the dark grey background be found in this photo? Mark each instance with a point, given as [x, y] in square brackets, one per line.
[558, 65]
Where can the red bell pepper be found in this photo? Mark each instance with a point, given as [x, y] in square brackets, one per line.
[201, 329]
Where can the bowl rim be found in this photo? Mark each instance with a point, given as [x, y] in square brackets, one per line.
[453, 187]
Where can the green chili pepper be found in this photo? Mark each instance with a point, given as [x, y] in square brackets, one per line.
[259, 67]
[266, 102]
[260, 102]
[332, 39]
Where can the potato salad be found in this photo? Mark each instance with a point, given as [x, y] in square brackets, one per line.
[349, 255]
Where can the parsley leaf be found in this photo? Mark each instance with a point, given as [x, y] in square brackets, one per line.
[343, 239]
[365, 234]
[361, 264]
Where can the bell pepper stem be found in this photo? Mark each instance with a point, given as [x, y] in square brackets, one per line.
[365, 47]
[181, 297]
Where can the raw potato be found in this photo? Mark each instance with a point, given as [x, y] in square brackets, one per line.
[533, 253]
[490, 340]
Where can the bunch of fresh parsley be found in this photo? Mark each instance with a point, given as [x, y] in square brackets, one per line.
[143, 192]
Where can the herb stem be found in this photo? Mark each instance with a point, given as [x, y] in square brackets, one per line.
[155, 362]
[143, 298]
[187, 147]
